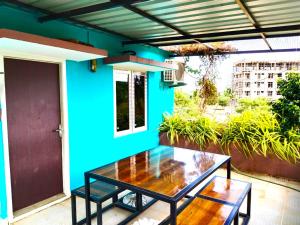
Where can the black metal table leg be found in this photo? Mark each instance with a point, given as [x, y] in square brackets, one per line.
[229, 169]
[236, 219]
[87, 199]
[139, 202]
[249, 203]
[173, 213]
[74, 213]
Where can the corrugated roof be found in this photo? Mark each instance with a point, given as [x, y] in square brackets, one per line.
[176, 18]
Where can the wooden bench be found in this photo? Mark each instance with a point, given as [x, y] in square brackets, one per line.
[201, 211]
[99, 193]
[230, 192]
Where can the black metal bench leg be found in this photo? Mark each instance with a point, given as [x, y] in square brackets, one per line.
[249, 203]
[74, 213]
[115, 198]
[236, 219]
[99, 214]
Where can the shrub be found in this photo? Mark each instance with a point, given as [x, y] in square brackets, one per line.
[182, 99]
[251, 132]
[186, 105]
[256, 131]
[223, 100]
[287, 108]
[200, 130]
[248, 104]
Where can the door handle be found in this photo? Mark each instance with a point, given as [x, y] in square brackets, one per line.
[59, 130]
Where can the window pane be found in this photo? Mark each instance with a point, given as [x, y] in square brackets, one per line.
[122, 100]
[139, 100]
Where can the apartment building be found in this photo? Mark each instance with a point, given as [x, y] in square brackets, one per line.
[259, 78]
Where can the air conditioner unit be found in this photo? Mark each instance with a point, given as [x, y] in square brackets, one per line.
[174, 76]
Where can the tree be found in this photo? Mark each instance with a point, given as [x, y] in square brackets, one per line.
[229, 93]
[205, 75]
[287, 108]
[208, 92]
[223, 100]
[209, 56]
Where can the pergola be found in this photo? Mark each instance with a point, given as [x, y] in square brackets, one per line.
[177, 22]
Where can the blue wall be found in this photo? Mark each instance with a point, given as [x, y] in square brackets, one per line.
[91, 116]
[3, 208]
[90, 98]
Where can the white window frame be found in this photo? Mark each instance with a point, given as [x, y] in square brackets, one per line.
[132, 128]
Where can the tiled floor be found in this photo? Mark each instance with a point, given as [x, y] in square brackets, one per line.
[271, 205]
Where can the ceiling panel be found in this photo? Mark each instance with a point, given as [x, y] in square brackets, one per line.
[186, 16]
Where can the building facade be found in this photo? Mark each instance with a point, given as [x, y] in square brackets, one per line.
[259, 78]
[98, 125]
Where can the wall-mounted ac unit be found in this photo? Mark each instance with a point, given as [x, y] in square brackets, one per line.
[174, 77]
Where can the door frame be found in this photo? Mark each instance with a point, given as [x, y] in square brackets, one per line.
[64, 122]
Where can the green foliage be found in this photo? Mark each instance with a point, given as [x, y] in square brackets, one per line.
[182, 99]
[200, 130]
[253, 131]
[186, 105]
[255, 104]
[223, 100]
[229, 93]
[256, 130]
[287, 108]
[208, 92]
[259, 132]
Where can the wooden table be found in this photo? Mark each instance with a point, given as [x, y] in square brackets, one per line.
[164, 173]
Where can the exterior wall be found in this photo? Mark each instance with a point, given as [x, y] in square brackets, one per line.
[91, 116]
[90, 98]
[3, 208]
[251, 79]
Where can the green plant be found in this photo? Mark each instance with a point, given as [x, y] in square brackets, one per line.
[205, 73]
[287, 108]
[186, 105]
[248, 104]
[208, 92]
[258, 131]
[200, 130]
[182, 99]
[229, 93]
[173, 126]
[223, 100]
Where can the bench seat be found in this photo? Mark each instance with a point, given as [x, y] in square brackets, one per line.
[99, 192]
[228, 191]
[203, 211]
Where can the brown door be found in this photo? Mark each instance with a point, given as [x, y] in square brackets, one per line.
[33, 113]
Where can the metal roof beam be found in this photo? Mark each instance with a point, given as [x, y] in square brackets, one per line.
[252, 19]
[160, 21]
[74, 21]
[89, 9]
[226, 39]
[246, 52]
[219, 34]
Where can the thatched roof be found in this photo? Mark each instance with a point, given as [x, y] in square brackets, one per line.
[200, 49]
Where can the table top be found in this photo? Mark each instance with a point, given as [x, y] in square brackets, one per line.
[163, 170]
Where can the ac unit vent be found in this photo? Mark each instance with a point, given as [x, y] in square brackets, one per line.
[169, 76]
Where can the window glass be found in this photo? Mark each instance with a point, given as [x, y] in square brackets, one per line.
[122, 100]
[139, 100]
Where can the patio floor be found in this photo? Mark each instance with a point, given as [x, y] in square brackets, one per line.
[271, 205]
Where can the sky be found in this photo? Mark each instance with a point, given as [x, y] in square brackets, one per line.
[225, 68]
